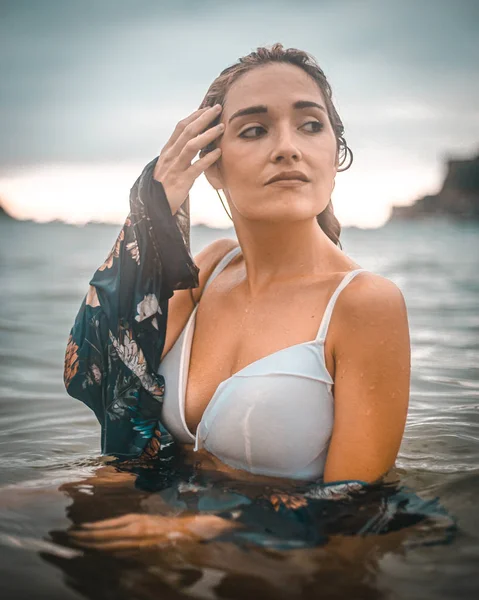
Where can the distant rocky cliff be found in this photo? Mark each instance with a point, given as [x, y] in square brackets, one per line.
[458, 197]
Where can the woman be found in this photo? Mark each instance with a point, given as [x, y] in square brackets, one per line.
[287, 325]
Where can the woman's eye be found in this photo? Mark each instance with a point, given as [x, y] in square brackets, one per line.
[242, 134]
[317, 126]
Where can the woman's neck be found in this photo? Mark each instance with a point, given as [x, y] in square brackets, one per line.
[283, 252]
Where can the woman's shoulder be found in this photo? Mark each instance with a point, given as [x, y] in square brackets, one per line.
[180, 305]
[368, 290]
[371, 298]
[209, 257]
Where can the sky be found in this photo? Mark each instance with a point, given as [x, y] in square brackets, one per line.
[91, 90]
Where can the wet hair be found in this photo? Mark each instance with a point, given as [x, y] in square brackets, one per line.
[217, 91]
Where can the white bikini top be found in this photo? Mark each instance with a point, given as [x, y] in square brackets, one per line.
[274, 417]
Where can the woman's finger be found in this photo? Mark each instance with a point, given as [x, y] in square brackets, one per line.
[124, 543]
[195, 128]
[127, 544]
[192, 147]
[114, 541]
[135, 526]
[114, 545]
[129, 531]
[181, 126]
[105, 523]
[202, 164]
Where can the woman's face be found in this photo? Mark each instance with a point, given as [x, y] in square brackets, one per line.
[275, 136]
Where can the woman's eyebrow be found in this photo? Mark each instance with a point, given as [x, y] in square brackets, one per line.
[261, 108]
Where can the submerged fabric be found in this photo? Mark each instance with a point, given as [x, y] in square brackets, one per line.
[305, 515]
[274, 417]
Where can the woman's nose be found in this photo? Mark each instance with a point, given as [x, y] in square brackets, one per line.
[285, 146]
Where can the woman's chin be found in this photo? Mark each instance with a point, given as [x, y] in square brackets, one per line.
[286, 214]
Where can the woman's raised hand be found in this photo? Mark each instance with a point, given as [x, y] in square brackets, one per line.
[173, 167]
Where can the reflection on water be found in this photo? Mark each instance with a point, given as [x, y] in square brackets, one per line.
[337, 564]
[52, 478]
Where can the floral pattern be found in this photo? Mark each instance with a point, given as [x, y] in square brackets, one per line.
[71, 361]
[148, 307]
[114, 252]
[279, 499]
[92, 297]
[132, 248]
[112, 355]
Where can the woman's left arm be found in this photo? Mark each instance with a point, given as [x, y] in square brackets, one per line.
[371, 397]
[372, 379]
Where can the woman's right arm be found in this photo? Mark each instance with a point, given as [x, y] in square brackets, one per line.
[118, 336]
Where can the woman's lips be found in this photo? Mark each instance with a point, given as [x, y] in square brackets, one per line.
[289, 182]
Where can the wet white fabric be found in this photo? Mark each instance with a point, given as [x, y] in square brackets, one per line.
[274, 417]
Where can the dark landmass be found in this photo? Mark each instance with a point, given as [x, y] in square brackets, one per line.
[457, 199]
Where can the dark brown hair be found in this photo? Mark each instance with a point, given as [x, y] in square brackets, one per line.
[217, 91]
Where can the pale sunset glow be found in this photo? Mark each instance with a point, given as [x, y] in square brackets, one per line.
[80, 194]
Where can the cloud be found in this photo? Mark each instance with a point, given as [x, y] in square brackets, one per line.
[105, 82]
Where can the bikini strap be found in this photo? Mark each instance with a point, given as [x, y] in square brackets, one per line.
[221, 265]
[323, 328]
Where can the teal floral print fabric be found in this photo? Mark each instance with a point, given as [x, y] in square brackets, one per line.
[114, 348]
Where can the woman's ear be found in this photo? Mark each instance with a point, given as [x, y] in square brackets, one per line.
[213, 175]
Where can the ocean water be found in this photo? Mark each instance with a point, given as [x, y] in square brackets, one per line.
[49, 442]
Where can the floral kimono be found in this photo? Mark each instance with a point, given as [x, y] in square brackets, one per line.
[116, 342]
[114, 351]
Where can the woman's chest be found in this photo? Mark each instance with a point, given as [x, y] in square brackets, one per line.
[230, 336]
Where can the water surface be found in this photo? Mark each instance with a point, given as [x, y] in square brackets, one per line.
[49, 442]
